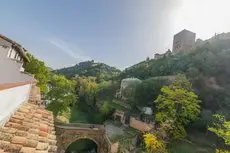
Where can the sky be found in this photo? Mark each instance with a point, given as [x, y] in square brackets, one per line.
[119, 33]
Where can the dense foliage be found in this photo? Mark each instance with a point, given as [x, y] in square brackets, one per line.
[61, 94]
[221, 128]
[207, 67]
[39, 70]
[177, 103]
[148, 90]
[86, 88]
[153, 145]
[89, 68]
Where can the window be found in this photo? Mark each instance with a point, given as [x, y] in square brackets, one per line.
[16, 55]
[9, 52]
[19, 57]
[13, 53]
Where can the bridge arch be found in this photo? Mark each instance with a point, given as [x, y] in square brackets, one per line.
[69, 133]
[83, 138]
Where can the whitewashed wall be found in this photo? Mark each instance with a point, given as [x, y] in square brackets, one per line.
[11, 99]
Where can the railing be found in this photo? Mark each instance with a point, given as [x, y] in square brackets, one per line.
[81, 126]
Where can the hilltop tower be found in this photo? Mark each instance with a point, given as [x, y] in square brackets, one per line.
[183, 41]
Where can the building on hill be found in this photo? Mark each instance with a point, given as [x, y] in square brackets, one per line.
[166, 54]
[183, 41]
[221, 36]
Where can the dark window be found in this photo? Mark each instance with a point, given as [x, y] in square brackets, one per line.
[16, 55]
[10, 52]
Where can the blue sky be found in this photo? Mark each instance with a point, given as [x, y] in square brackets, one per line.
[117, 32]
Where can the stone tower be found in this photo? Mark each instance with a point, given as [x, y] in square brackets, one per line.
[183, 41]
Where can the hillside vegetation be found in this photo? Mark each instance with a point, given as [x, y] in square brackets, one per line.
[206, 67]
[90, 68]
[184, 90]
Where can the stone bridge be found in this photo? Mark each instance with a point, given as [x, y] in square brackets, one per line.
[69, 133]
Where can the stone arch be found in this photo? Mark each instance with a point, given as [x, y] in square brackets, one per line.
[68, 133]
[85, 137]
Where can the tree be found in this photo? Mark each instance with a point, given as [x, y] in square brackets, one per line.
[177, 103]
[61, 94]
[39, 70]
[86, 88]
[153, 145]
[148, 90]
[209, 60]
[221, 128]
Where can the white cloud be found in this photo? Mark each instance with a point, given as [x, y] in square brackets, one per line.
[72, 51]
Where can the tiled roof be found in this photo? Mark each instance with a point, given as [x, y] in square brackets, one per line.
[29, 130]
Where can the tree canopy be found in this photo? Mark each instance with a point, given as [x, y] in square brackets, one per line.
[206, 67]
[61, 94]
[86, 88]
[221, 128]
[177, 103]
[39, 70]
[153, 144]
[90, 69]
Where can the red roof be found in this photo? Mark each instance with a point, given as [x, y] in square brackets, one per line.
[29, 130]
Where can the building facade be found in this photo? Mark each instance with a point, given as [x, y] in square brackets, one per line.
[15, 85]
[9, 49]
[183, 41]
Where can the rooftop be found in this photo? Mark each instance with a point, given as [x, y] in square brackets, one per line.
[185, 30]
[29, 130]
[22, 51]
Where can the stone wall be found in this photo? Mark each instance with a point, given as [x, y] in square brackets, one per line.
[139, 125]
[67, 135]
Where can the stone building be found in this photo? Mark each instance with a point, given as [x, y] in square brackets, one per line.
[166, 54]
[183, 41]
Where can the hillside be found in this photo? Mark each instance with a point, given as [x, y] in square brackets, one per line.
[207, 67]
[89, 68]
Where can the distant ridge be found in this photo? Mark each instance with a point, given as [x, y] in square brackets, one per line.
[89, 68]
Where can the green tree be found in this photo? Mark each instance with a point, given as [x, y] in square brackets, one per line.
[61, 94]
[148, 90]
[86, 89]
[179, 104]
[221, 128]
[39, 70]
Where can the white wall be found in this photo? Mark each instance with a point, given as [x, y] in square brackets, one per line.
[11, 99]
[3, 52]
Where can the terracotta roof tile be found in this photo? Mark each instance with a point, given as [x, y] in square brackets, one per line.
[29, 130]
[13, 148]
[27, 150]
